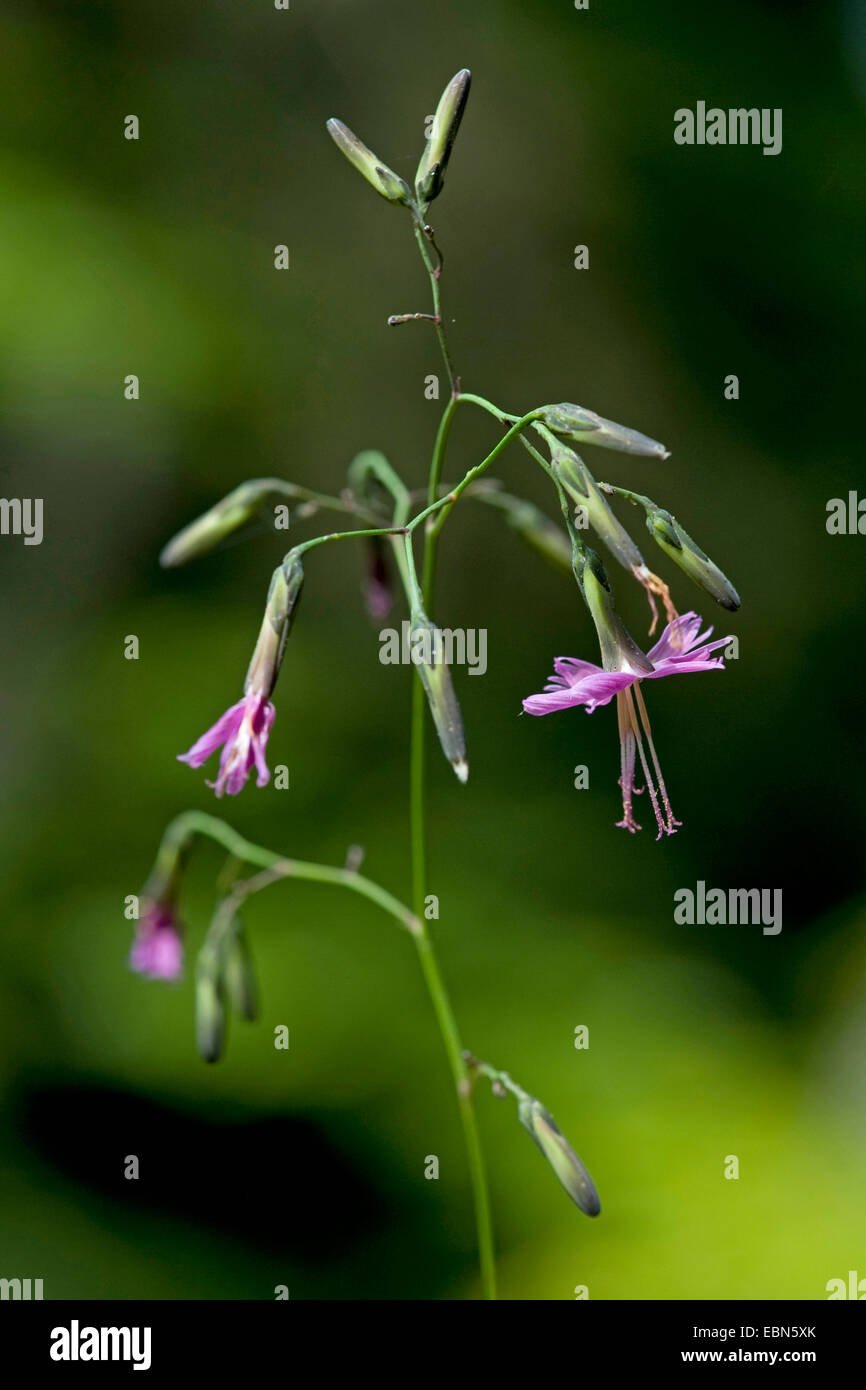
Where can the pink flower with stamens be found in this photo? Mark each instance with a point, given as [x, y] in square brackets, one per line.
[157, 950]
[682, 648]
[242, 732]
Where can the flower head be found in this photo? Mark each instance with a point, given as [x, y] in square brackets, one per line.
[678, 650]
[157, 950]
[682, 648]
[242, 732]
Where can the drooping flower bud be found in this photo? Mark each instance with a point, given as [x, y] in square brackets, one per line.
[619, 651]
[383, 179]
[575, 477]
[560, 1155]
[586, 427]
[426, 648]
[157, 948]
[446, 123]
[678, 545]
[218, 522]
[378, 594]
[239, 974]
[283, 595]
[210, 1014]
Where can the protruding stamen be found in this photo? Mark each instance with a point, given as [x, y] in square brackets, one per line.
[663, 828]
[654, 585]
[672, 822]
[627, 754]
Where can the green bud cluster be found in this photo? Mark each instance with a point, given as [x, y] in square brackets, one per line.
[430, 174]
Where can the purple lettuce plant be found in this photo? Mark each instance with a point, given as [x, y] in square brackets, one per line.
[385, 515]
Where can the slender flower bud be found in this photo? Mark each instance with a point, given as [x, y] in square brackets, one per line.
[239, 974]
[283, 595]
[575, 477]
[383, 179]
[157, 948]
[678, 545]
[560, 1155]
[426, 650]
[588, 428]
[217, 522]
[446, 123]
[210, 1014]
[619, 651]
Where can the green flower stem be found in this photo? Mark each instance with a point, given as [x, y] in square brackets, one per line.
[200, 823]
[439, 448]
[502, 416]
[444, 504]
[321, 499]
[433, 272]
[498, 1078]
[441, 1002]
[427, 956]
[347, 536]
[373, 464]
[423, 941]
[635, 497]
[225, 921]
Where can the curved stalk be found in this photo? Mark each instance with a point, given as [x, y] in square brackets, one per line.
[200, 823]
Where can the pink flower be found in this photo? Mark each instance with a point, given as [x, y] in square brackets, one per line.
[157, 950]
[682, 648]
[243, 734]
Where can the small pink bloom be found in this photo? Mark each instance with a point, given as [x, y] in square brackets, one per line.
[157, 950]
[583, 683]
[682, 648]
[242, 732]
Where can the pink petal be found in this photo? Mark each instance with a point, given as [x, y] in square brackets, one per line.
[219, 733]
[598, 688]
[677, 638]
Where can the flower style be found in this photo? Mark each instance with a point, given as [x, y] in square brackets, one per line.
[682, 648]
[242, 732]
[157, 950]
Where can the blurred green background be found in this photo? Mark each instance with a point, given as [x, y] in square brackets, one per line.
[305, 1167]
